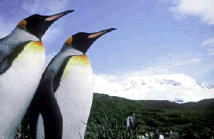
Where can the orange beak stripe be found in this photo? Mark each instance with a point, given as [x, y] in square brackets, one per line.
[96, 35]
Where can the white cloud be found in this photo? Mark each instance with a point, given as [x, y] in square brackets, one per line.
[209, 42]
[45, 7]
[197, 65]
[198, 8]
[210, 51]
[192, 64]
[149, 88]
[138, 1]
[176, 59]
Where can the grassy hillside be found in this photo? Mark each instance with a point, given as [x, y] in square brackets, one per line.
[108, 115]
[192, 117]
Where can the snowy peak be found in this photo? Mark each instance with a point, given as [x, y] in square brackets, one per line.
[167, 81]
[179, 88]
[210, 87]
[170, 82]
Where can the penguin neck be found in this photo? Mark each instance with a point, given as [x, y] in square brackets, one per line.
[68, 51]
[58, 60]
[16, 37]
[19, 35]
[66, 46]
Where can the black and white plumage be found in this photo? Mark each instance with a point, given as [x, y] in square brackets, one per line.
[22, 62]
[69, 77]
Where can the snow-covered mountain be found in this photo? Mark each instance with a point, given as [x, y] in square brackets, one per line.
[175, 87]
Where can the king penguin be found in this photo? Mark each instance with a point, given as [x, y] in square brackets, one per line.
[68, 76]
[22, 62]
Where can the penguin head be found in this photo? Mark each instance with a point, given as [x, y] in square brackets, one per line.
[82, 41]
[38, 24]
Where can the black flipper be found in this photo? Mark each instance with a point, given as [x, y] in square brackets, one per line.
[34, 115]
[44, 102]
[52, 117]
[58, 75]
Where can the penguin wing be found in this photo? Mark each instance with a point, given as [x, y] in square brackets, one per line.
[8, 55]
[38, 103]
[57, 77]
[44, 101]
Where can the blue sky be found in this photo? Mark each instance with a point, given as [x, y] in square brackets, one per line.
[152, 37]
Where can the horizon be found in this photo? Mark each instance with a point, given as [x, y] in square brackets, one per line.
[159, 100]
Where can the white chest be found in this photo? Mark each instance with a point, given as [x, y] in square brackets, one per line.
[18, 85]
[75, 95]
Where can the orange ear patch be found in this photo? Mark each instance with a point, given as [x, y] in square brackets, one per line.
[22, 24]
[69, 41]
[96, 34]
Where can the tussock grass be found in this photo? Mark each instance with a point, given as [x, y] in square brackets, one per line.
[109, 128]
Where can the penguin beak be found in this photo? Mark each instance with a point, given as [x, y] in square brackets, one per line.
[96, 35]
[54, 17]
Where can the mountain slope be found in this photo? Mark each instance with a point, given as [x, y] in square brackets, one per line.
[175, 87]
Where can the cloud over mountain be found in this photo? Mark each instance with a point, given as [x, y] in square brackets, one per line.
[157, 87]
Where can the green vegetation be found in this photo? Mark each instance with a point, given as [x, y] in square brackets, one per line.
[108, 118]
[107, 127]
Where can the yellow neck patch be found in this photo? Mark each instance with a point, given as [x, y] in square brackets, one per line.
[74, 62]
[81, 60]
[34, 46]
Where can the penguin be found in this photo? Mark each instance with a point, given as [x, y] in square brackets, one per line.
[69, 77]
[22, 62]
